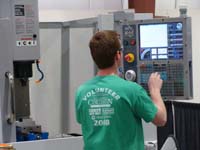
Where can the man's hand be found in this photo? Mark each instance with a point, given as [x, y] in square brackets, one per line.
[155, 83]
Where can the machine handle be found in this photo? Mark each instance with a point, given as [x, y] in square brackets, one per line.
[11, 117]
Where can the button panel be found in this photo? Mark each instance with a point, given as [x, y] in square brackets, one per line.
[129, 44]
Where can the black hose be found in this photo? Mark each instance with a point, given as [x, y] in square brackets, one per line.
[42, 74]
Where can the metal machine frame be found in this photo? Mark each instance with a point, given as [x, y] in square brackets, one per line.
[19, 41]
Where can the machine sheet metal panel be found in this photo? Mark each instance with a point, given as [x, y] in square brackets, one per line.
[7, 132]
[26, 29]
[68, 143]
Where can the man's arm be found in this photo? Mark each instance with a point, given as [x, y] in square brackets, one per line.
[155, 85]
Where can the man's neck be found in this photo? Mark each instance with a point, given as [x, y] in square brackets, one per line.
[107, 71]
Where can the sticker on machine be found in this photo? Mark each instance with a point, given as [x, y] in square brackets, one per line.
[28, 43]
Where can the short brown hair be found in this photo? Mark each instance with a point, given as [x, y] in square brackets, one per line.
[103, 47]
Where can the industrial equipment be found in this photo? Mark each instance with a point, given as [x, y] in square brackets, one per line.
[19, 49]
[163, 46]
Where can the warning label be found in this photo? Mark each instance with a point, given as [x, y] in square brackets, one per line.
[19, 10]
[26, 43]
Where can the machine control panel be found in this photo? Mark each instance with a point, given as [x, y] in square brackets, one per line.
[163, 46]
[130, 52]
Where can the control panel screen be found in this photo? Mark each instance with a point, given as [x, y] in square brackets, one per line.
[161, 41]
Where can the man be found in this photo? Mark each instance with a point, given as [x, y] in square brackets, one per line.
[109, 108]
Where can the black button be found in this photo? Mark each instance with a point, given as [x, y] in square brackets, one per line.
[34, 36]
[126, 42]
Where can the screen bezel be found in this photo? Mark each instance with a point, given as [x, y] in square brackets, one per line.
[158, 23]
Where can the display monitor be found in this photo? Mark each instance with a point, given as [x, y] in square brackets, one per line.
[161, 41]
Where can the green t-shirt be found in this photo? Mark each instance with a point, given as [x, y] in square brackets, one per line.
[110, 110]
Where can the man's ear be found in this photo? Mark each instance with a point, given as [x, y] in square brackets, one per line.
[118, 58]
[118, 55]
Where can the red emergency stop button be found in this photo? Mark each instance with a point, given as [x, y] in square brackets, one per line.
[133, 42]
[129, 57]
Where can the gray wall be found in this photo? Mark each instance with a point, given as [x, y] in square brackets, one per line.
[80, 4]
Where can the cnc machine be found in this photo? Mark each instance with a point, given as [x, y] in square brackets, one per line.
[19, 49]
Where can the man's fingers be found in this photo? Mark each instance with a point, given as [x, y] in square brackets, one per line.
[156, 74]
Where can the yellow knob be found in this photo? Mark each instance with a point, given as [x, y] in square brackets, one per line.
[130, 57]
